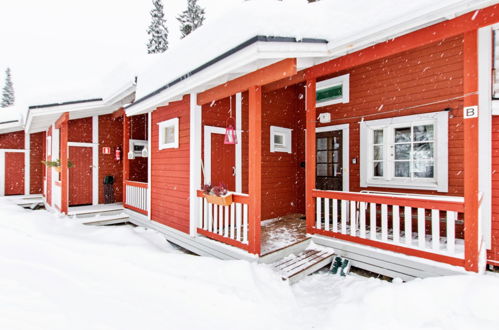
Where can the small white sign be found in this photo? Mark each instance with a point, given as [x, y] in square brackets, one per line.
[470, 112]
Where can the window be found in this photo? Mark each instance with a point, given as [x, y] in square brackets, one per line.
[137, 146]
[333, 91]
[405, 152]
[49, 145]
[280, 139]
[168, 134]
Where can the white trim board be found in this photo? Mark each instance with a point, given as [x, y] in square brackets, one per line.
[239, 153]
[95, 160]
[149, 162]
[346, 149]
[2, 173]
[195, 162]
[27, 165]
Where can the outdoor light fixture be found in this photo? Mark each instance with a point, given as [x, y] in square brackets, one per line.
[145, 152]
[230, 132]
[131, 154]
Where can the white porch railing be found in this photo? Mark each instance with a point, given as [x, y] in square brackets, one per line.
[228, 224]
[136, 196]
[404, 224]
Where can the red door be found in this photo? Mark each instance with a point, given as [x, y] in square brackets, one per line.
[80, 176]
[14, 173]
[223, 162]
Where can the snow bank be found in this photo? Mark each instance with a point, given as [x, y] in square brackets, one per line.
[333, 20]
[58, 274]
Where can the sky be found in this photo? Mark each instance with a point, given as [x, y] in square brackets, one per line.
[58, 46]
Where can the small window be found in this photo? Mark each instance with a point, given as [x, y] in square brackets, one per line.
[333, 91]
[137, 146]
[168, 134]
[280, 139]
[405, 152]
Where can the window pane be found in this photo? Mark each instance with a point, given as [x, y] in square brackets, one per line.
[423, 169]
[403, 151]
[402, 134]
[402, 169]
[378, 153]
[378, 136]
[169, 134]
[322, 144]
[322, 156]
[423, 151]
[378, 169]
[423, 133]
[330, 93]
[321, 169]
[278, 140]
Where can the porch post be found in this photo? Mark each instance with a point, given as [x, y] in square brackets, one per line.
[64, 164]
[310, 152]
[126, 138]
[471, 203]
[255, 168]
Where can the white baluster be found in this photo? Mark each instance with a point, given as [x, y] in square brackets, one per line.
[210, 217]
[215, 218]
[408, 225]
[435, 230]
[396, 223]
[238, 221]
[335, 215]
[326, 214]
[344, 208]
[384, 222]
[421, 228]
[451, 235]
[232, 220]
[245, 223]
[226, 221]
[353, 218]
[362, 219]
[200, 220]
[372, 221]
[318, 213]
[205, 218]
[221, 220]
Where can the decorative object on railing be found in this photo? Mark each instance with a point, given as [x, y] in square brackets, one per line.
[218, 195]
[224, 223]
[429, 228]
[230, 132]
[136, 196]
[56, 164]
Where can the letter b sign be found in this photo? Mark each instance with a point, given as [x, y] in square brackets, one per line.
[470, 112]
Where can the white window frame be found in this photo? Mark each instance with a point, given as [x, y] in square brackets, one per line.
[343, 81]
[438, 183]
[162, 126]
[287, 135]
[133, 143]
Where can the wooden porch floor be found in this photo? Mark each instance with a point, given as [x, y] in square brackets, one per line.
[282, 232]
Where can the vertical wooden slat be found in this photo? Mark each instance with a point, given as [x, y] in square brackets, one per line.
[232, 221]
[353, 218]
[421, 228]
[326, 214]
[396, 223]
[200, 220]
[318, 213]
[451, 231]
[245, 223]
[215, 218]
[220, 220]
[226, 221]
[344, 210]
[384, 222]
[435, 229]
[335, 215]
[210, 217]
[408, 225]
[238, 221]
[205, 220]
[362, 209]
[372, 221]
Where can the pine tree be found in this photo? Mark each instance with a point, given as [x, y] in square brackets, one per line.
[191, 18]
[158, 43]
[8, 97]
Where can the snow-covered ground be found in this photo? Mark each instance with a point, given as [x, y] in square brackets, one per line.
[57, 274]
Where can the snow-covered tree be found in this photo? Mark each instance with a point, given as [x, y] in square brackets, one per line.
[8, 97]
[191, 18]
[158, 42]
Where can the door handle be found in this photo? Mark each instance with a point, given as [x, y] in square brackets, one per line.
[233, 171]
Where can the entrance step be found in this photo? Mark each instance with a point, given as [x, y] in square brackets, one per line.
[295, 267]
[104, 219]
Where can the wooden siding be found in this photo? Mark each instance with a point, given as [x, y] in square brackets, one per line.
[493, 253]
[13, 140]
[170, 169]
[37, 154]
[80, 130]
[14, 173]
[380, 88]
[111, 135]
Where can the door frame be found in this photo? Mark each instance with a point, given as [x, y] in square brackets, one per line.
[208, 130]
[95, 168]
[345, 128]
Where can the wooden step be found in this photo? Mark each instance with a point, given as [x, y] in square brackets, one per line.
[103, 220]
[295, 267]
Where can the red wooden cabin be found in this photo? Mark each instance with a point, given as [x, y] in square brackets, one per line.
[383, 141]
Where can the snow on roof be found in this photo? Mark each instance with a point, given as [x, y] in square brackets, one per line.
[336, 21]
[11, 114]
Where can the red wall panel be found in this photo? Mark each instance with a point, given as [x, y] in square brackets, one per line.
[493, 253]
[13, 140]
[80, 130]
[111, 135]
[14, 173]
[170, 169]
[37, 154]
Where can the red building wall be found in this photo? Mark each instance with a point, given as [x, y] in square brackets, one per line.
[13, 140]
[37, 154]
[138, 166]
[493, 254]
[80, 130]
[422, 76]
[170, 169]
[111, 135]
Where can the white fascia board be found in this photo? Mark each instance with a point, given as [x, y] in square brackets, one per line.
[199, 82]
[6, 128]
[403, 26]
